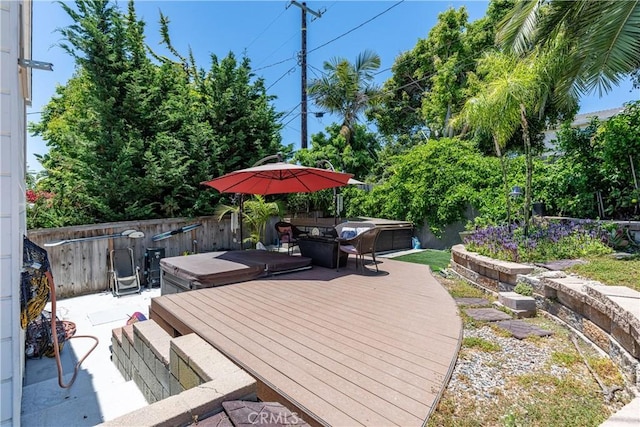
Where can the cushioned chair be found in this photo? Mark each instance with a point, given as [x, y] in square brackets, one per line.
[288, 233]
[358, 241]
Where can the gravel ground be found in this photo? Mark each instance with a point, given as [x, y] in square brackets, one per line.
[484, 374]
[483, 381]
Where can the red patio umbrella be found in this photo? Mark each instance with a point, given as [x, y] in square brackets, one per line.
[278, 178]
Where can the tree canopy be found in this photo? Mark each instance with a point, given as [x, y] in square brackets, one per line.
[347, 89]
[431, 82]
[133, 133]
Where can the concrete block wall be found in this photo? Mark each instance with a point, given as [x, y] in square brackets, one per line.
[141, 353]
[498, 276]
[163, 367]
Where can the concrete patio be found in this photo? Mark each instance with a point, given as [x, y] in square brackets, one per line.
[100, 392]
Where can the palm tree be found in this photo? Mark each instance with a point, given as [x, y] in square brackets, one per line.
[347, 89]
[257, 212]
[603, 38]
[513, 88]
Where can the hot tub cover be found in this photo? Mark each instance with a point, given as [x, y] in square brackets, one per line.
[218, 268]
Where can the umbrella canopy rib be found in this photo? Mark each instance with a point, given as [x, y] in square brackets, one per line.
[278, 178]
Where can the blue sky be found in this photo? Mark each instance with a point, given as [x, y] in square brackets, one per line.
[269, 33]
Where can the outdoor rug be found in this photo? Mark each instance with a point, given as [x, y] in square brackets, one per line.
[112, 315]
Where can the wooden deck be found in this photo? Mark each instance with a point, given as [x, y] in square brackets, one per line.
[338, 348]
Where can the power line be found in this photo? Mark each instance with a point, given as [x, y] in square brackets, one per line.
[314, 68]
[265, 30]
[357, 27]
[330, 41]
[289, 71]
[291, 119]
[290, 111]
[275, 63]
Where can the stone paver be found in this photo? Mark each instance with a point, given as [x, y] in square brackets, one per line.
[521, 329]
[243, 413]
[486, 314]
[471, 301]
[628, 416]
[560, 265]
[218, 420]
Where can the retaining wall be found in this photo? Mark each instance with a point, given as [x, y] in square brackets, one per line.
[609, 316]
[184, 379]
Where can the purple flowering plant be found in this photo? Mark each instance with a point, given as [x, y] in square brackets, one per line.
[545, 241]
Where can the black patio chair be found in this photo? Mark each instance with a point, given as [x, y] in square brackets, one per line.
[288, 233]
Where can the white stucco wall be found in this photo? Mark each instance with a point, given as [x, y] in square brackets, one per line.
[12, 201]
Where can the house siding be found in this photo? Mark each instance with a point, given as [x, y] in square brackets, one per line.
[13, 15]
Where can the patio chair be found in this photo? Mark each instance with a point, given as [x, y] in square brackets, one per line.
[288, 233]
[125, 276]
[361, 244]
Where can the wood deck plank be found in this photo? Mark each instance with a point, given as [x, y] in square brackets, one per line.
[388, 296]
[289, 364]
[350, 335]
[315, 337]
[307, 348]
[379, 324]
[324, 370]
[373, 306]
[345, 348]
[387, 337]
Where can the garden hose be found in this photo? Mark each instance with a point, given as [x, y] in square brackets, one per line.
[56, 347]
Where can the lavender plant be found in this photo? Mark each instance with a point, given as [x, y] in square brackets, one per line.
[544, 242]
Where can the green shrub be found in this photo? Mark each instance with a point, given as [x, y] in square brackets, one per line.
[435, 183]
[523, 289]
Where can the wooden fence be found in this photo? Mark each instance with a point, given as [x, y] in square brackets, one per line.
[83, 267]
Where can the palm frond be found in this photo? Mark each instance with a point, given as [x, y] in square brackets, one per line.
[518, 29]
[614, 48]
[603, 37]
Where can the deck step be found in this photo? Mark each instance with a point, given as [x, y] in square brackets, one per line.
[79, 406]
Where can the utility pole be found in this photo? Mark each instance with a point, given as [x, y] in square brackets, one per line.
[303, 66]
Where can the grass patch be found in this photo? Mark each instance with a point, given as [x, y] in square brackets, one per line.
[540, 400]
[561, 402]
[480, 344]
[564, 359]
[606, 370]
[437, 260]
[461, 289]
[611, 271]
[469, 322]
[501, 332]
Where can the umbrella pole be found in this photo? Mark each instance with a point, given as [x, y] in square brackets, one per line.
[335, 206]
[240, 218]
